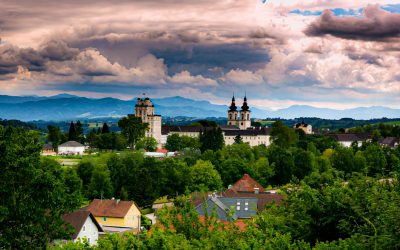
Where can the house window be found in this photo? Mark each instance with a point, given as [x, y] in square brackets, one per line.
[238, 205]
[104, 218]
[84, 229]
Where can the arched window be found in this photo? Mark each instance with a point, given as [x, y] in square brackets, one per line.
[248, 116]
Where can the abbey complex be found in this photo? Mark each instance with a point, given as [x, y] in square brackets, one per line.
[239, 123]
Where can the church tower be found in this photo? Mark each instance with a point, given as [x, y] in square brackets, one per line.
[144, 109]
[245, 121]
[233, 114]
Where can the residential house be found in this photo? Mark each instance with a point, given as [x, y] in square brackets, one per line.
[115, 215]
[71, 148]
[347, 139]
[391, 142]
[85, 225]
[48, 150]
[241, 200]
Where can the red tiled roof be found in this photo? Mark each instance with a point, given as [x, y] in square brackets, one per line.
[77, 220]
[246, 184]
[110, 208]
[162, 150]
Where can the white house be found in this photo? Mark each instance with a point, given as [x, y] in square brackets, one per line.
[71, 148]
[347, 139]
[85, 225]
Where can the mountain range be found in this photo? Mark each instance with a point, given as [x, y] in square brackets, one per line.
[70, 107]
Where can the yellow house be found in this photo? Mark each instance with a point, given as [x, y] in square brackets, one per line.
[115, 215]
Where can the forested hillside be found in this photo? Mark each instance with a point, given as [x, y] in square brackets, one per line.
[335, 197]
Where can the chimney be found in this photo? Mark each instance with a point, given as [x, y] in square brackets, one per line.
[230, 186]
[256, 190]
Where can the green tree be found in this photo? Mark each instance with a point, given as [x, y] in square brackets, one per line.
[147, 143]
[105, 129]
[263, 171]
[72, 133]
[238, 139]
[100, 183]
[33, 194]
[54, 136]
[282, 161]
[376, 159]
[92, 138]
[204, 177]
[343, 159]
[84, 170]
[211, 138]
[304, 163]
[79, 132]
[133, 129]
[233, 169]
[282, 135]
[174, 143]
[376, 136]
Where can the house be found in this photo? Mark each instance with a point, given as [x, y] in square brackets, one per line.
[347, 139]
[246, 184]
[115, 215]
[241, 200]
[391, 142]
[48, 150]
[228, 208]
[85, 225]
[307, 128]
[247, 187]
[71, 148]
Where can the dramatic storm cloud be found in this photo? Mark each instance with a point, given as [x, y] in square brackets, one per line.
[324, 53]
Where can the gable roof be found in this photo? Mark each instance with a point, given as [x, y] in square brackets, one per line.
[47, 147]
[77, 220]
[71, 144]
[350, 137]
[110, 208]
[246, 184]
[390, 141]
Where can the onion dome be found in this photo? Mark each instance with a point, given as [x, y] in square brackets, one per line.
[245, 107]
[233, 105]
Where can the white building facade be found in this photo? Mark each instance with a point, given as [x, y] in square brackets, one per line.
[71, 148]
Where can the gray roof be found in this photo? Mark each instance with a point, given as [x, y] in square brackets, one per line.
[247, 132]
[71, 144]
[247, 205]
[47, 147]
[350, 137]
[390, 141]
[222, 206]
[215, 206]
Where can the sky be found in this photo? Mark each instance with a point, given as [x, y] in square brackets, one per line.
[324, 53]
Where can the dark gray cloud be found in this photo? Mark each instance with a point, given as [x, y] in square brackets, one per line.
[375, 24]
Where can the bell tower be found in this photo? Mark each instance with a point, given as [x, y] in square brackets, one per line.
[233, 114]
[244, 121]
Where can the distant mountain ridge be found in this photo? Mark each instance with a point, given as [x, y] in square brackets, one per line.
[70, 107]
